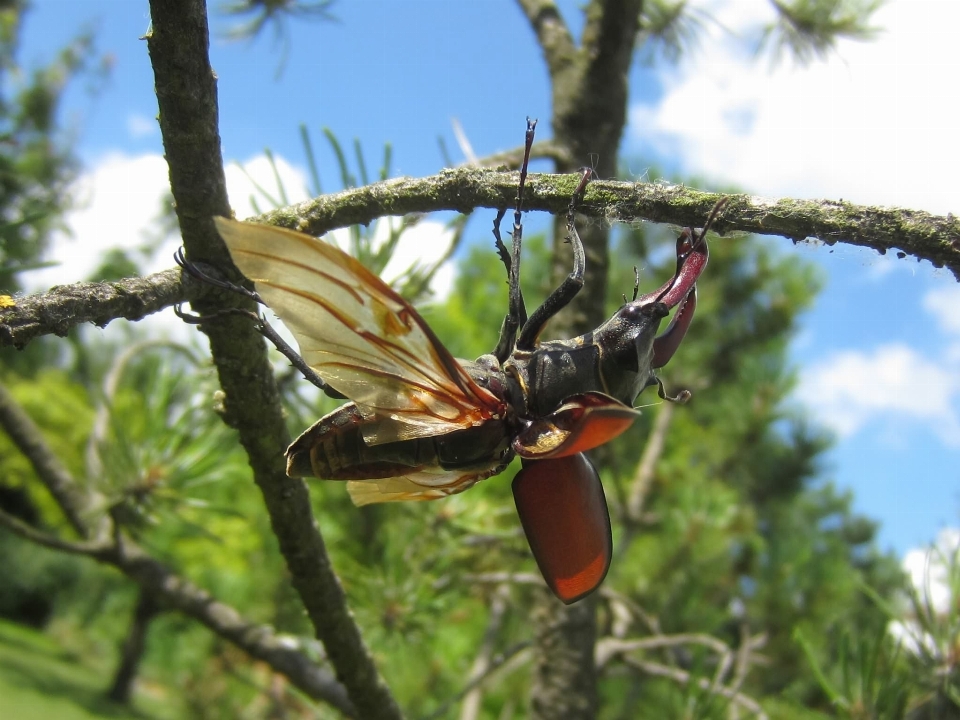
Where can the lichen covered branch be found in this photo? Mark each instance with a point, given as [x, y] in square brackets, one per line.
[922, 235]
[64, 307]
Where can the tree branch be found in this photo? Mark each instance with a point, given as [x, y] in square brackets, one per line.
[258, 641]
[61, 308]
[483, 663]
[925, 236]
[682, 677]
[564, 673]
[918, 233]
[79, 505]
[153, 576]
[552, 33]
[607, 48]
[187, 97]
[28, 532]
[652, 451]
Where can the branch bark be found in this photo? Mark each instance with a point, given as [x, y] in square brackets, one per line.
[564, 677]
[935, 238]
[187, 97]
[552, 34]
[57, 311]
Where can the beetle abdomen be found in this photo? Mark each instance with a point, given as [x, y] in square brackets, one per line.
[333, 448]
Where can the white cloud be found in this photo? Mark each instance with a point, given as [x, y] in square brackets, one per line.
[869, 124]
[119, 202]
[850, 388]
[253, 184]
[944, 304]
[421, 245]
[930, 570]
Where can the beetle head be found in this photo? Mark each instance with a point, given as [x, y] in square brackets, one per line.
[632, 350]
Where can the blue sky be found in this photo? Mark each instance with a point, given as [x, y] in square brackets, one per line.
[878, 356]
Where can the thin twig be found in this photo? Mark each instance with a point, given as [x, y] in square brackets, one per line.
[544, 149]
[628, 604]
[609, 647]
[682, 677]
[652, 452]
[80, 506]
[464, 143]
[519, 578]
[470, 709]
[28, 532]
[509, 659]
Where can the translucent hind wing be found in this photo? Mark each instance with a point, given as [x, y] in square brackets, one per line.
[358, 334]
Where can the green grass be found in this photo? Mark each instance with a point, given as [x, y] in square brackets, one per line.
[39, 680]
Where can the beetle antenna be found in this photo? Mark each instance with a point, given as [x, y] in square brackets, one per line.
[711, 219]
[636, 284]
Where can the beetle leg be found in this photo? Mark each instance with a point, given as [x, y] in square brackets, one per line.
[569, 288]
[262, 326]
[516, 310]
[265, 329]
[680, 398]
[194, 271]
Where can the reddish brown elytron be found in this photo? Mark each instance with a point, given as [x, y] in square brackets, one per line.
[422, 425]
